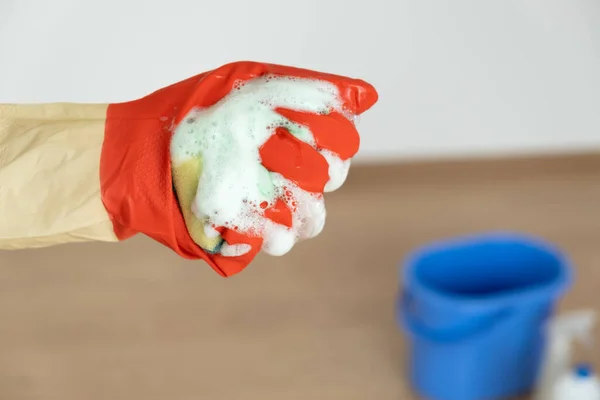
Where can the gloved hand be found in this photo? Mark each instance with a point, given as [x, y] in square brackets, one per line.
[227, 162]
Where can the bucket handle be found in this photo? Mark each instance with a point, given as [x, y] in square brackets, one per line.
[459, 333]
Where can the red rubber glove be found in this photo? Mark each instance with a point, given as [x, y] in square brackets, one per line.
[135, 169]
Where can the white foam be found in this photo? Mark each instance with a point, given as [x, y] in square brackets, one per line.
[338, 170]
[210, 232]
[234, 250]
[234, 186]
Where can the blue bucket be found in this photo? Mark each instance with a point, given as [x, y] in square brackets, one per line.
[474, 310]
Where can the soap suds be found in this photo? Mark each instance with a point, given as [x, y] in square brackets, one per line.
[234, 250]
[338, 170]
[234, 187]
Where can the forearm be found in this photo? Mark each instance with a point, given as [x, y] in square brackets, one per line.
[49, 175]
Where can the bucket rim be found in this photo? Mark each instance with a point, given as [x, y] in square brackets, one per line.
[494, 302]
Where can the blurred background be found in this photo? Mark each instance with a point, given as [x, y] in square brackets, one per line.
[456, 79]
[488, 119]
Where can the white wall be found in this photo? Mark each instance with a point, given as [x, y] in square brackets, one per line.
[464, 77]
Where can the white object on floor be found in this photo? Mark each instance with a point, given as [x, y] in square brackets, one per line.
[558, 377]
[581, 383]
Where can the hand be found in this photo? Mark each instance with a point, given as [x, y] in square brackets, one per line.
[264, 142]
[230, 161]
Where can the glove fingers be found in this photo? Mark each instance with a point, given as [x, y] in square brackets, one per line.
[240, 250]
[319, 170]
[333, 132]
[295, 160]
[357, 95]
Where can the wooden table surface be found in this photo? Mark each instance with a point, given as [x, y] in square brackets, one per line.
[131, 321]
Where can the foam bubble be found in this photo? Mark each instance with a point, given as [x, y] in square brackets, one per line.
[338, 170]
[235, 250]
[210, 231]
[234, 187]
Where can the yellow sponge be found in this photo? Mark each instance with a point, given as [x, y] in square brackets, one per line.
[186, 176]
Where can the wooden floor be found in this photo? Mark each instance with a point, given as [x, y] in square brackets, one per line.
[131, 321]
